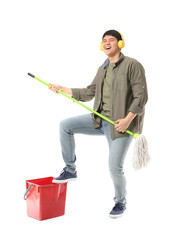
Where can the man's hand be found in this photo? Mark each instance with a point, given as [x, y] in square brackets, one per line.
[123, 124]
[55, 88]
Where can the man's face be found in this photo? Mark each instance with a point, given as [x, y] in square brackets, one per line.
[110, 45]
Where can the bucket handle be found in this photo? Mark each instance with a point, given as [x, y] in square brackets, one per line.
[27, 191]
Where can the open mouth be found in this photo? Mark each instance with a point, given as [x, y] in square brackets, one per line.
[107, 48]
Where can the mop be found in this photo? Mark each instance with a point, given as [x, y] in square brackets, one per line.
[141, 155]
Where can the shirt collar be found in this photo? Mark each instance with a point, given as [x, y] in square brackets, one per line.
[106, 63]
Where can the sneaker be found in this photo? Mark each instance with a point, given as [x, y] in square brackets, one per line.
[65, 177]
[117, 211]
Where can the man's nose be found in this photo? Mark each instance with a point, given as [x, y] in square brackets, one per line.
[107, 43]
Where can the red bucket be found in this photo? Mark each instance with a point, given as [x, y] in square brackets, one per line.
[44, 198]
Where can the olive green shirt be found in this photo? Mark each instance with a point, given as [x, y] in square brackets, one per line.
[128, 93]
[106, 91]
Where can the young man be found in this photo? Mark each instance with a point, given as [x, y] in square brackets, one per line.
[120, 92]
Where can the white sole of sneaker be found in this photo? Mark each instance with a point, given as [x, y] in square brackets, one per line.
[116, 216]
[63, 181]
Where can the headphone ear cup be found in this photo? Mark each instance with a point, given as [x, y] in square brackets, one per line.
[101, 48]
[121, 44]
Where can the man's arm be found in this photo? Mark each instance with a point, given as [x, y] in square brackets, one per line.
[139, 88]
[140, 96]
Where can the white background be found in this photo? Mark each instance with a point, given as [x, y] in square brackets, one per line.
[58, 41]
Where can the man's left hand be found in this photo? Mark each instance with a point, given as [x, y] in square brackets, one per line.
[122, 125]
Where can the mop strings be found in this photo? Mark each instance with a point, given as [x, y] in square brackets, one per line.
[141, 156]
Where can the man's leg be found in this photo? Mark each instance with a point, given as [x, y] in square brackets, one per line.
[77, 125]
[117, 153]
[118, 150]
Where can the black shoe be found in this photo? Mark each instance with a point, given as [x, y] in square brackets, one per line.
[65, 177]
[117, 211]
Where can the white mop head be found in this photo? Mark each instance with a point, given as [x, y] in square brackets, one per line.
[141, 156]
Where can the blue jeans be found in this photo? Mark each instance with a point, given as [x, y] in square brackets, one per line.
[117, 149]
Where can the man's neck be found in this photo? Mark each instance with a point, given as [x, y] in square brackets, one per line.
[114, 58]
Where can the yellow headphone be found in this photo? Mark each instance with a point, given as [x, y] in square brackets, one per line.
[121, 43]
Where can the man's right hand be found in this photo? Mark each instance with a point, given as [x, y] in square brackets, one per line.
[54, 88]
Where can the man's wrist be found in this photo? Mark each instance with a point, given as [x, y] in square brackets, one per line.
[130, 116]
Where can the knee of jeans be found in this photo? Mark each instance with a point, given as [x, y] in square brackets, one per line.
[115, 170]
[63, 127]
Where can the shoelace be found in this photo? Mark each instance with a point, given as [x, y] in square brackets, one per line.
[118, 207]
[63, 172]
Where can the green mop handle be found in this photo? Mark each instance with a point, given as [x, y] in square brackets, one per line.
[83, 105]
